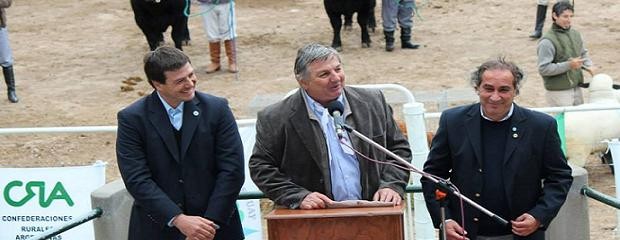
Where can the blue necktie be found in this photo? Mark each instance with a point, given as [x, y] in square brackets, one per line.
[175, 118]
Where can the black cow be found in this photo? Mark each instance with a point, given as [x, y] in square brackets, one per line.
[372, 22]
[337, 8]
[155, 16]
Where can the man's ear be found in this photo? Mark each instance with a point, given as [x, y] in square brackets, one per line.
[303, 84]
[157, 85]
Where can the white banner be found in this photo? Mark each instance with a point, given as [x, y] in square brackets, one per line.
[249, 210]
[36, 199]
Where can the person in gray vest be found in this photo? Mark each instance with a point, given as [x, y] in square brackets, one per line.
[401, 11]
[561, 57]
[6, 55]
[541, 14]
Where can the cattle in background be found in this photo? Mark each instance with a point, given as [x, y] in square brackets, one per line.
[155, 16]
[372, 21]
[337, 8]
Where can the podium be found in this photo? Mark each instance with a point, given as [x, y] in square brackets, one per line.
[377, 223]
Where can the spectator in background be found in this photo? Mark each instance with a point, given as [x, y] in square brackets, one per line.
[6, 54]
[561, 57]
[400, 11]
[541, 14]
[220, 25]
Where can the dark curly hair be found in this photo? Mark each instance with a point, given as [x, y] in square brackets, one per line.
[498, 64]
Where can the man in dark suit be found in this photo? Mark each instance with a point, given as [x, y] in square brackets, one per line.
[502, 156]
[180, 156]
[299, 162]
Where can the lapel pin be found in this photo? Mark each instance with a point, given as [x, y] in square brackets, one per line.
[514, 135]
[196, 113]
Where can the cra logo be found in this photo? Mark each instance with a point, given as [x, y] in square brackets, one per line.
[58, 193]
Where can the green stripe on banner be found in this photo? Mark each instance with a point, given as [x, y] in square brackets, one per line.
[559, 118]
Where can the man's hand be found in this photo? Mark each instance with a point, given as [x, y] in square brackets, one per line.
[195, 227]
[454, 231]
[525, 225]
[314, 200]
[575, 63]
[387, 195]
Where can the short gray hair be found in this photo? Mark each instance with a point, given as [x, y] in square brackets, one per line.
[498, 64]
[313, 52]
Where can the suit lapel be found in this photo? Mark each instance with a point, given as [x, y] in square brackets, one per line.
[472, 124]
[161, 122]
[516, 132]
[191, 117]
[353, 119]
[311, 136]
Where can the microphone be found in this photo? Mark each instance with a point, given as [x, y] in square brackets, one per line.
[336, 109]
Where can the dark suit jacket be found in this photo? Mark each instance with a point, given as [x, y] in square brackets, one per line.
[290, 158]
[534, 155]
[201, 177]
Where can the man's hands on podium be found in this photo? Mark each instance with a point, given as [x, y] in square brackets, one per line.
[387, 195]
[195, 227]
[315, 200]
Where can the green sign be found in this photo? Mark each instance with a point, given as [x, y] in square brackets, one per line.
[58, 193]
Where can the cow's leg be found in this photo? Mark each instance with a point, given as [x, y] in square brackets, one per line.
[179, 31]
[336, 22]
[372, 22]
[362, 20]
[348, 21]
[186, 38]
[154, 38]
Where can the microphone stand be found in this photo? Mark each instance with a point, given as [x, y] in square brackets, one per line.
[443, 203]
[442, 184]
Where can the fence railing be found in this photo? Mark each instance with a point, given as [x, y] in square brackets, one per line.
[601, 197]
[95, 213]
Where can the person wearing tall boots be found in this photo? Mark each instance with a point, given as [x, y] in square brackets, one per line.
[220, 25]
[6, 55]
[400, 11]
[541, 14]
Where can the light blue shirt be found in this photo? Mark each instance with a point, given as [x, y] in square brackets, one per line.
[175, 115]
[343, 164]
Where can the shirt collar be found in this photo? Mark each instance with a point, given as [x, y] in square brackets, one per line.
[512, 107]
[316, 107]
[168, 107]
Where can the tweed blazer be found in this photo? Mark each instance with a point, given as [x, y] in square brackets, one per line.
[290, 158]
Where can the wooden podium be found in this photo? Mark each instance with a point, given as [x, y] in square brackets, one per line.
[376, 223]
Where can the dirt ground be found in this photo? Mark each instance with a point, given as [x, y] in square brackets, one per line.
[71, 57]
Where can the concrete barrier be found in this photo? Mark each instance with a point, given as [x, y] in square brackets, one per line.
[573, 221]
[116, 204]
